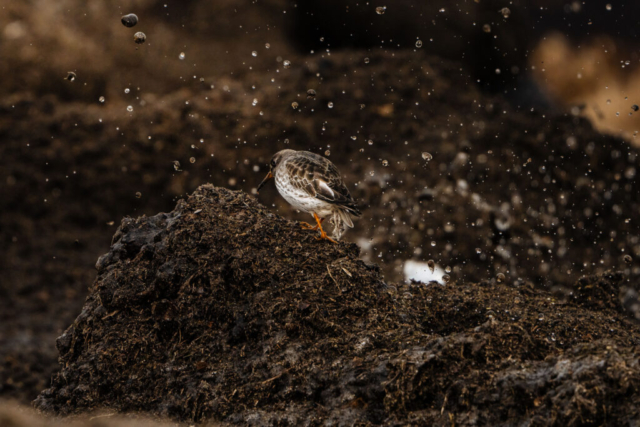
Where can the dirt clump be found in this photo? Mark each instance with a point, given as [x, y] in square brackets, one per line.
[224, 311]
[537, 197]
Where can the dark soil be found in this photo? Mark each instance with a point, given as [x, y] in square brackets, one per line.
[542, 199]
[222, 310]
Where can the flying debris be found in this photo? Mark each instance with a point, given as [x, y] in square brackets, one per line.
[129, 20]
[140, 37]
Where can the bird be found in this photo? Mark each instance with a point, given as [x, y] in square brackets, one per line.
[311, 183]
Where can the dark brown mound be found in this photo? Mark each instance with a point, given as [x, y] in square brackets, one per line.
[222, 310]
[72, 169]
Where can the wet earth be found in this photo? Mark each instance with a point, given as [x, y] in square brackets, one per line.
[443, 172]
[222, 311]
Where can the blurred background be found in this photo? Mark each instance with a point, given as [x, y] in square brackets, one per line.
[493, 137]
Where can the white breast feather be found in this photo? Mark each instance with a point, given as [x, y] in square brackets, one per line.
[299, 199]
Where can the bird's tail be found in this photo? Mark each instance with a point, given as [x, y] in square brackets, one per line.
[341, 221]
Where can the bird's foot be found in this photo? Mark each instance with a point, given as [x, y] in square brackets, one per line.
[307, 226]
[323, 236]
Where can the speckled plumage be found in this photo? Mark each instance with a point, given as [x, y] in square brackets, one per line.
[311, 183]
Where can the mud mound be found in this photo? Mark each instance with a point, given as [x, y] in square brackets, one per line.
[534, 196]
[221, 310]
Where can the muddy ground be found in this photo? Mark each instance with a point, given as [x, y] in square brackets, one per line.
[223, 311]
[540, 197]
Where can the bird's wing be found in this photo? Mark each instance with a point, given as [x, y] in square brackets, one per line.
[320, 178]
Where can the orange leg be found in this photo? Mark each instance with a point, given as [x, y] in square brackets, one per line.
[308, 226]
[323, 235]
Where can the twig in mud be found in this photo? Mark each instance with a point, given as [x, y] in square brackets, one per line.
[334, 280]
[277, 376]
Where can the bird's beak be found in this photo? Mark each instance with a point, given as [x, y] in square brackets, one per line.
[264, 181]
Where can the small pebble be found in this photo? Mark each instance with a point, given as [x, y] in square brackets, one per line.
[129, 20]
[140, 37]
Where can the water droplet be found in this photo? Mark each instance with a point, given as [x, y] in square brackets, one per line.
[433, 243]
[327, 153]
[254, 102]
[505, 11]
[432, 265]
[286, 63]
[182, 56]
[634, 107]
[71, 76]
[130, 108]
[139, 37]
[478, 251]
[500, 278]
[380, 10]
[192, 159]
[176, 165]
[127, 90]
[608, 6]
[627, 258]
[418, 43]
[129, 20]
[385, 163]
[267, 45]
[101, 99]
[372, 173]
[294, 105]
[446, 278]
[330, 105]
[370, 142]
[254, 53]
[447, 269]
[311, 93]
[426, 156]
[486, 28]
[138, 195]
[366, 60]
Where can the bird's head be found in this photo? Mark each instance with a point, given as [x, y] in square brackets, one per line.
[276, 160]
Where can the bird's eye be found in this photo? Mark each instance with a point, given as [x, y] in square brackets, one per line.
[273, 163]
